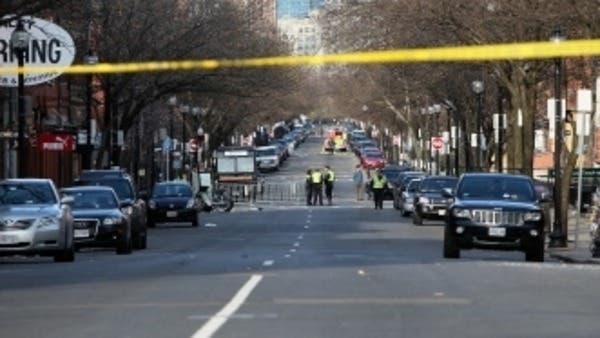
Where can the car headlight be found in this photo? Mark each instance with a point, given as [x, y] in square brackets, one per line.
[532, 216]
[47, 222]
[127, 211]
[190, 204]
[152, 204]
[462, 213]
[423, 200]
[112, 221]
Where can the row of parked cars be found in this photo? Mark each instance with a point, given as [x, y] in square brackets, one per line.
[272, 156]
[366, 149]
[100, 209]
[480, 210]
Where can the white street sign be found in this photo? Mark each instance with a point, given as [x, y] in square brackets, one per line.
[49, 45]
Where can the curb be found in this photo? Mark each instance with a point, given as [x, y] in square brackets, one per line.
[568, 259]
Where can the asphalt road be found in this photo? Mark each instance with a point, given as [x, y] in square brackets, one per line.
[342, 271]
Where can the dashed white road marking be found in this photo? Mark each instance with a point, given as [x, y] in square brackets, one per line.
[287, 256]
[239, 316]
[210, 225]
[301, 237]
[306, 227]
[216, 321]
[292, 250]
[268, 263]
[296, 244]
[439, 294]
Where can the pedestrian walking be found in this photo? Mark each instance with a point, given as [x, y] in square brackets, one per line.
[378, 183]
[308, 187]
[358, 179]
[368, 184]
[328, 179]
[317, 187]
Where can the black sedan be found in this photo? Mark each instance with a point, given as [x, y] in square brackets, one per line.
[173, 202]
[495, 211]
[98, 219]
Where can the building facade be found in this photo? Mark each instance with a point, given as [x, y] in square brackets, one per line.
[303, 35]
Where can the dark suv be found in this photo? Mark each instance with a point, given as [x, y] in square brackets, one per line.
[495, 211]
[429, 202]
[131, 204]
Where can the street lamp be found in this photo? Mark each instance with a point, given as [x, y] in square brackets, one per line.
[435, 113]
[20, 44]
[184, 111]
[90, 59]
[478, 88]
[172, 104]
[558, 236]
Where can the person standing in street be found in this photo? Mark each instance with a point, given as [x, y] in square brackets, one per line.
[308, 187]
[329, 178]
[358, 179]
[378, 183]
[317, 187]
[368, 182]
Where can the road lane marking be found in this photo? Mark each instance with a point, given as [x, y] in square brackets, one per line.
[439, 294]
[292, 250]
[306, 227]
[373, 301]
[268, 263]
[296, 244]
[239, 316]
[219, 319]
[301, 237]
[210, 225]
[287, 256]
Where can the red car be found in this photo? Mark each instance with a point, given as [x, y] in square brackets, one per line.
[372, 160]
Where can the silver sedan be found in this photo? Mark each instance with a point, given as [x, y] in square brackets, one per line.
[34, 221]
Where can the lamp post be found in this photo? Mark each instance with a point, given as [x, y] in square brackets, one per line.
[89, 59]
[172, 104]
[184, 111]
[558, 236]
[20, 44]
[478, 88]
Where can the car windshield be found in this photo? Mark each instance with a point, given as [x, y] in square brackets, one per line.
[92, 199]
[172, 190]
[26, 193]
[496, 188]
[436, 185]
[413, 185]
[266, 152]
[391, 174]
[121, 187]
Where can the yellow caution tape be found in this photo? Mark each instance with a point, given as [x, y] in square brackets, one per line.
[496, 52]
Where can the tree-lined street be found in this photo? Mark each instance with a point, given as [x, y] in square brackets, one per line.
[342, 271]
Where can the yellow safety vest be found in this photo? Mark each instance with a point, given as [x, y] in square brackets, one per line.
[331, 176]
[379, 183]
[317, 177]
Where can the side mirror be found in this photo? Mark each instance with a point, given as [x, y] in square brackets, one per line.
[544, 197]
[447, 193]
[67, 200]
[125, 204]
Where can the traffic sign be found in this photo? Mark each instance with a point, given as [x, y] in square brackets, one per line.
[437, 142]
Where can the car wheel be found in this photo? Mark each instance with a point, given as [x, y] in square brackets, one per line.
[417, 219]
[451, 249]
[125, 246]
[67, 256]
[536, 253]
[139, 241]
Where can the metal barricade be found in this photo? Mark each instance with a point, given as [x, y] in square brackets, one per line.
[267, 192]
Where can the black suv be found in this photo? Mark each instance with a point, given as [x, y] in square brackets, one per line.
[495, 211]
[131, 204]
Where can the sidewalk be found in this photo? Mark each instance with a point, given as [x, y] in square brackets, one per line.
[577, 251]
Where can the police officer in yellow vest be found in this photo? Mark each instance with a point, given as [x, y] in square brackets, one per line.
[317, 186]
[329, 178]
[308, 186]
[378, 183]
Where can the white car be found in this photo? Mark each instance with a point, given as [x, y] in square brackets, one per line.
[267, 158]
[34, 221]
